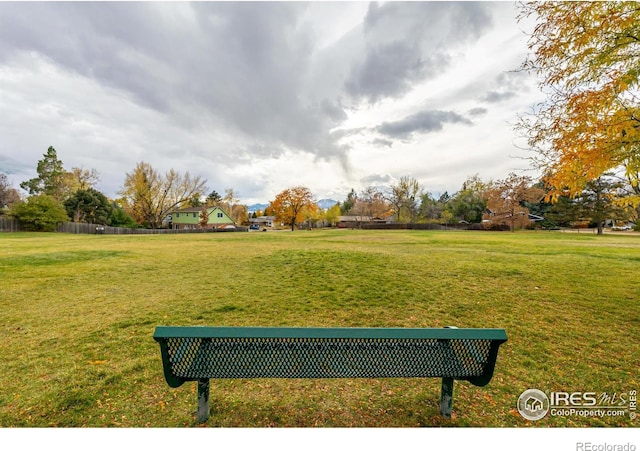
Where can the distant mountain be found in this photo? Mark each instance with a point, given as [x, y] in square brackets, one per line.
[325, 204]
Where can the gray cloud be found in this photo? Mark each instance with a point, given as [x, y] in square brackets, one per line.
[478, 111]
[498, 96]
[377, 179]
[409, 42]
[243, 66]
[391, 70]
[508, 85]
[423, 122]
[378, 142]
[217, 65]
[333, 110]
[120, 45]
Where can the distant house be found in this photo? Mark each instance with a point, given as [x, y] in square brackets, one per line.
[189, 218]
[263, 221]
[490, 216]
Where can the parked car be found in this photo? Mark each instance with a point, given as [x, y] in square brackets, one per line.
[254, 227]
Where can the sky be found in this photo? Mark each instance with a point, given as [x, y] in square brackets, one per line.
[260, 97]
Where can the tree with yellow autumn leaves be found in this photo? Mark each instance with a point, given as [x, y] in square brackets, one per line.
[290, 206]
[587, 55]
[507, 199]
[148, 196]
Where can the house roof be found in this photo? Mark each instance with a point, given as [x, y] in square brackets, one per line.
[354, 218]
[360, 218]
[191, 210]
[263, 219]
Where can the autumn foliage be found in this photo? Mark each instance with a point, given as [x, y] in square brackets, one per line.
[587, 55]
[506, 200]
[291, 204]
[149, 196]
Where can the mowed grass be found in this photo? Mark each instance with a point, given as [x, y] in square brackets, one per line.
[77, 315]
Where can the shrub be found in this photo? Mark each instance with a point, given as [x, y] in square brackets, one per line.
[40, 213]
[89, 205]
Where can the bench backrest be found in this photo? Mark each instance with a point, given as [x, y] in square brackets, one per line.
[195, 353]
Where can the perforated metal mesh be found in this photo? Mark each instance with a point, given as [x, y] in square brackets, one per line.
[211, 358]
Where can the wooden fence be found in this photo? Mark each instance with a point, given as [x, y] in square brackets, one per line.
[430, 226]
[13, 225]
[9, 225]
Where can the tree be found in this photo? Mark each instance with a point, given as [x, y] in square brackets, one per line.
[89, 205]
[84, 179]
[120, 218]
[563, 212]
[52, 179]
[204, 217]
[553, 214]
[229, 203]
[240, 214]
[506, 200]
[468, 204]
[230, 197]
[141, 194]
[8, 194]
[430, 208]
[403, 198]
[149, 196]
[588, 57]
[332, 215]
[290, 203]
[311, 215]
[39, 213]
[349, 202]
[599, 201]
[444, 197]
[213, 199]
[195, 201]
[370, 203]
[631, 202]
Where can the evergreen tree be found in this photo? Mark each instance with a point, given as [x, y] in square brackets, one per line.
[52, 179]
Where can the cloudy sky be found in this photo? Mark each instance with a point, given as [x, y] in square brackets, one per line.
[262, 96]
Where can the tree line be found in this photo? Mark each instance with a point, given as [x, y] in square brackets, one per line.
[147, 197]
[58, 195]
[498, 204]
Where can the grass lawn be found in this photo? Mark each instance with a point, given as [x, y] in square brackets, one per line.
[77, 315]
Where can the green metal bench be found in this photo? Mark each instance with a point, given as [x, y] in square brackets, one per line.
[197, 353]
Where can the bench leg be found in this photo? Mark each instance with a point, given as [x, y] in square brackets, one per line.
[203, 400]
[446, 397]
